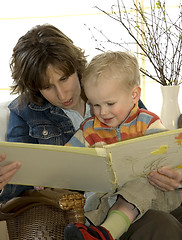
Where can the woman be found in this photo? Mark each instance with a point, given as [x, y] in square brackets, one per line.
[47, 68]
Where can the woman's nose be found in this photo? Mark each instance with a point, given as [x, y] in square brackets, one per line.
[61, 94]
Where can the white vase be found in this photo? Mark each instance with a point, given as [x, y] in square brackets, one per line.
[170, 110]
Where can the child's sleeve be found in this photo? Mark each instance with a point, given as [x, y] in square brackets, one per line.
[155, 127]
[77, 140]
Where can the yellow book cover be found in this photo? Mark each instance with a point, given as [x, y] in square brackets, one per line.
[94, 169]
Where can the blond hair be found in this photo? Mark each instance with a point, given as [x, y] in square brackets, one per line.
[122, 63]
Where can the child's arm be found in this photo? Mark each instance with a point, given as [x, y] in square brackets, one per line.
[77, 140]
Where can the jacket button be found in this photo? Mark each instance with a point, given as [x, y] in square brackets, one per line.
[44, 132]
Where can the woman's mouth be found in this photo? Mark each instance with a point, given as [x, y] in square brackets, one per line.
[68, 103]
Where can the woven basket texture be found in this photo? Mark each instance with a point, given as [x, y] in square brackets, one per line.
[42, 222]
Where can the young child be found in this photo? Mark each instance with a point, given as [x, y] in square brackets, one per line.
[112, 85]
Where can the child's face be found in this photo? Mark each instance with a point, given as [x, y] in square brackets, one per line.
[111, 102]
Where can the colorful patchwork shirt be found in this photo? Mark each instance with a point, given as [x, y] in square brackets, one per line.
[93, 133]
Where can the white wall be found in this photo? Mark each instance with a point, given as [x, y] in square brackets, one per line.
[73, 18]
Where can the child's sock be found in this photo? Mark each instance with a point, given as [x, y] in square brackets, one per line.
[116, 223]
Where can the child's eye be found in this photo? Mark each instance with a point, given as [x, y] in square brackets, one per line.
[110, 104]
[96, 105]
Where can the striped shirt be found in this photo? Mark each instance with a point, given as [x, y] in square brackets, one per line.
[93, 133]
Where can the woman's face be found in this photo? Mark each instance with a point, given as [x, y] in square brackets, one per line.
[62, 91]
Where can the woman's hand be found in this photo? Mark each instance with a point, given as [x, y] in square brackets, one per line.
[7, 171]
[166, 179]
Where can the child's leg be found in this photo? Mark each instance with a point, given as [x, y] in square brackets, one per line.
[120, 216]
[117, 222]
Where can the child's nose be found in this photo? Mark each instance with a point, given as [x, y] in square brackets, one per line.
[103, 110]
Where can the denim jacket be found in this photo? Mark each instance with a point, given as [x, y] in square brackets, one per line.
[45, 124]
[34, 124]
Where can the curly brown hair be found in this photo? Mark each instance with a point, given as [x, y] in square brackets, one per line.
[41, 46]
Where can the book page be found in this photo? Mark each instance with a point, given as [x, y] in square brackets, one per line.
[73, 168]
[137, 157]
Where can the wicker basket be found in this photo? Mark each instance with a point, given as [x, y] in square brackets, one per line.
[42, 214]
[40, 222]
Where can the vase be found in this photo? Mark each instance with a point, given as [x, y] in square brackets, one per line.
[170, 110]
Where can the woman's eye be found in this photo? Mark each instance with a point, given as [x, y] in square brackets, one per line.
[63, 78]
[46, 87]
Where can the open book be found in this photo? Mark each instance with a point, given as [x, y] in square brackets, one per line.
[94, 169]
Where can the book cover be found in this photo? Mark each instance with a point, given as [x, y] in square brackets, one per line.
[94, 169]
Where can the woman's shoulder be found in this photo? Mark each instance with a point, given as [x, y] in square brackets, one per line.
[141, 105]
[15, 104]
[21, 105]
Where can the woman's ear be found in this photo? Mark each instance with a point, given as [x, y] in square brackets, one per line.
[136, 92]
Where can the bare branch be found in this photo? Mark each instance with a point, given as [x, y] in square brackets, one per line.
[160, 40]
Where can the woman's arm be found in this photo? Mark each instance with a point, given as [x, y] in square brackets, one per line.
[7, 171]
[166, 179]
